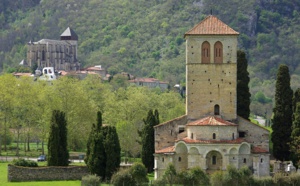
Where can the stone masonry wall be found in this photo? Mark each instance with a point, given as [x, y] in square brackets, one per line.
[166, 133]
[21, 174]
[254, 134]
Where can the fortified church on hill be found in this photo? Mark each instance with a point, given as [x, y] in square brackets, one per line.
[211, 135]
[60, 54]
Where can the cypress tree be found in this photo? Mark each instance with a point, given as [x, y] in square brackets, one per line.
[112, 151]
[147, 141]
[58, 154]
[282, 120]
[103, 155]
[243, 94]
[295, 135]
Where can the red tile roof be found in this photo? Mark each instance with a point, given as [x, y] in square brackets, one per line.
[211, 25]
[258, 150]
[211, 121]
[94, 69]
[189, 141]
[166, 150]
[147, 80]
[22, 74]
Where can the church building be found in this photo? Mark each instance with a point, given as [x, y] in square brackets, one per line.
[59, 54]
[211, 135]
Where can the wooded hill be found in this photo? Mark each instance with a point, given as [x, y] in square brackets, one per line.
[145, 37]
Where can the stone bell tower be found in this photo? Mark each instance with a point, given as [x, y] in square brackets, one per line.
[211, 71]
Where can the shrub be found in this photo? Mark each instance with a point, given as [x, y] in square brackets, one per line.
[139, 173]
[90, 180]
[264, 181]
[24, 163]
[294, 179]
[216, 178]
[280, 179]
[123, 177]
[160, 182]
[194, 176]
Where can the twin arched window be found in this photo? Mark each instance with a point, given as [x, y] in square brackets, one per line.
[218, 52]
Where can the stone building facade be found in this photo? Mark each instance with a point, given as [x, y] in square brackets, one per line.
[60, 54]
[211, 135]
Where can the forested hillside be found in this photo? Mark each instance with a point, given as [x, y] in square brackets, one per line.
[145, 37]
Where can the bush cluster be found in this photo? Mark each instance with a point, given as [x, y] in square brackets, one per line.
[24, 163]
[91, 180]
[135, 175]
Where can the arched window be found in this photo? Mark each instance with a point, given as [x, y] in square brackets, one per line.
[217, 110]
[214, 160]
[43, 55]
[218, 52]
[205, 52]
[192, 136]
[233, 136]
[179, 158]
[214, 135]
[245, 160]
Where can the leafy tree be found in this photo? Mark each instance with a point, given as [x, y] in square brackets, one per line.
[282, 120]
[243, 94]
[58, 154]
[147, 139]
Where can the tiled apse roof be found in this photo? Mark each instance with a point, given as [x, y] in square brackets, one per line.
[211, 121]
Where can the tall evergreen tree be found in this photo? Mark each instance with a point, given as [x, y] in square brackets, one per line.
[147, 139]
[58, 154]
[243, 94]
[112, 151]
[282, 120]
[103, 155]
[295, 135]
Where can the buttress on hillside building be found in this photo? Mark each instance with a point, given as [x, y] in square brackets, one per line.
[211, 135]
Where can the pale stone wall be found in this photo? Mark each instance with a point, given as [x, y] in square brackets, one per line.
[211, 84]
[58, 54]
[161, 162]
[166, 133]
[261, 165]
[206, 89]
[21, 174]
[256, 135]
[206, 132]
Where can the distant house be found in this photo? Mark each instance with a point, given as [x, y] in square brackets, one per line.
[97, 69]
[149, 82]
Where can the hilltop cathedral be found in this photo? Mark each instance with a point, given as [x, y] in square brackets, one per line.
[60, 54]
[211, 135]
